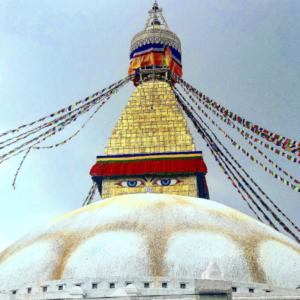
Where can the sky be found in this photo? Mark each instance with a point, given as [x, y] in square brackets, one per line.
[245, 54]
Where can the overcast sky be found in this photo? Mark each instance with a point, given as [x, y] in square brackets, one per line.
[245, 54]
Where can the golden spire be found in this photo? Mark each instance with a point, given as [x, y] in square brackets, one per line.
[151, 148]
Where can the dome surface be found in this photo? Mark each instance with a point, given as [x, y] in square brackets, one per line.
[153, 235]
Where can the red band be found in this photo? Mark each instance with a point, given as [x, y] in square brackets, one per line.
[193, 165]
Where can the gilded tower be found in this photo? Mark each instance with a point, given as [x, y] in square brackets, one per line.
[151, 148]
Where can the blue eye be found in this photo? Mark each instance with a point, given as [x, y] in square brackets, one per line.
[130, 183]
[166, 181]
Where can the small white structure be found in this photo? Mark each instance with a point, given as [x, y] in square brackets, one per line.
[77, 292]
[212, 272]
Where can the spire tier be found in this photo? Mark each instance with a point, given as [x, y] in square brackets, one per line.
[155, 50]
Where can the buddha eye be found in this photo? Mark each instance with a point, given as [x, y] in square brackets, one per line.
[130, 183]
[166, 181]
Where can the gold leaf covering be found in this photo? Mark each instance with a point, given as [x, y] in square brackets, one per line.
[151, 122]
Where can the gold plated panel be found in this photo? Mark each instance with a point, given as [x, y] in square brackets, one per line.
[151, 122]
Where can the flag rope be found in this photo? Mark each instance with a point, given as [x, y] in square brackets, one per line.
[65, 109]
[225, 166]
[285, 143]
[246, 134]
[82, 108]
[220, 153]
[91, 194]
[57, 125]
[251, 179]
[294, 186]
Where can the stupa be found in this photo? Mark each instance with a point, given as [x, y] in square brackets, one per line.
[153, 233]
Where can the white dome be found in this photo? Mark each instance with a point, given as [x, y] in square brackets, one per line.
[153, 235]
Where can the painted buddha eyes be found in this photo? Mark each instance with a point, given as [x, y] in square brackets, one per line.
[132, 183]
[166, 181]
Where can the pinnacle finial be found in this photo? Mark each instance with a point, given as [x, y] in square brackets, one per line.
[155, 16]
[155, 8]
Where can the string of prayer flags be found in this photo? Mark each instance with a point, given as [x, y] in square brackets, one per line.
[80, 109]
[218, 151]
[221, 158]
[285, 143]
[296, 183]
[77, 131]
[90, 196]
[68, 108]
[27, 141]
